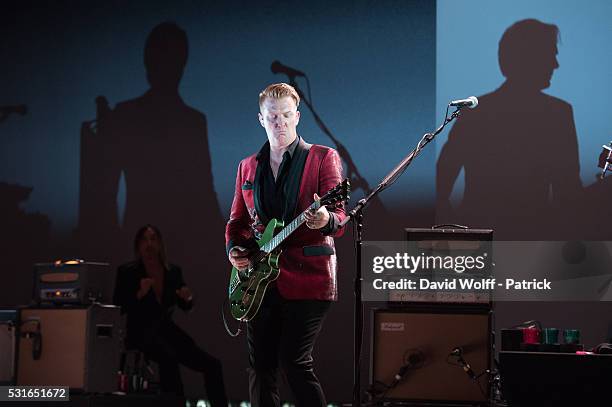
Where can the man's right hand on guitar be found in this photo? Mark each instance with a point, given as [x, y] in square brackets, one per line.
[239, 257]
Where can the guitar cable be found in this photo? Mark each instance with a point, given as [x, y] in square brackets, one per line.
[227, 328]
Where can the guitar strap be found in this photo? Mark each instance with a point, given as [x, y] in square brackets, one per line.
[257, 198]
[294, 180]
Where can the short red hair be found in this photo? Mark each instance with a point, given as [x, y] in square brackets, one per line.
[279, 91]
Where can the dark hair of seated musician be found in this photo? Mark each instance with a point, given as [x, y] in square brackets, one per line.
[148, 290]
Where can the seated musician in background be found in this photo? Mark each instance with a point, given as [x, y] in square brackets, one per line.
[148, 289]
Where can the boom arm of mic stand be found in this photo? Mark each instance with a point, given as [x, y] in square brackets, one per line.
[398, 170]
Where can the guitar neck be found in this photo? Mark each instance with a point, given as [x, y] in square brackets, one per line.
[288, 230]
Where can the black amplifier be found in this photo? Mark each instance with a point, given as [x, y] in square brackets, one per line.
[555, 379]
[74, 282]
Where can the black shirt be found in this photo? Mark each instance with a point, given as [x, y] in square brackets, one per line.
[145, 316]
[274, 191]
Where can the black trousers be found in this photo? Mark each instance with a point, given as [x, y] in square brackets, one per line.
[171, 346]
[282, 335]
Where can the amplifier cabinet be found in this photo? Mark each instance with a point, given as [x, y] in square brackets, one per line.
[75, 347]
[425, 343]
[8, 328]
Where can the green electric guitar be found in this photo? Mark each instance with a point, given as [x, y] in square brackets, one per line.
[247, 287]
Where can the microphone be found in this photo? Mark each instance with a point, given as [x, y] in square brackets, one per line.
[277, 67]
[458, 353]
[470, 102]
[414, 360]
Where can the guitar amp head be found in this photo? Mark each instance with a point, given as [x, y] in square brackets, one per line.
[73, 282]
[446, 240]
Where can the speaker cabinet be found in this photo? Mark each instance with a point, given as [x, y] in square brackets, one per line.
[8, 328]
[429, 346]
[75, 347]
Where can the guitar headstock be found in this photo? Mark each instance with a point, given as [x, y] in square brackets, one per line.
[337, 196]
[605, 160]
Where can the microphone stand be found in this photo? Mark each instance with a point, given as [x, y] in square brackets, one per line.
[357, 181]
[356, 215]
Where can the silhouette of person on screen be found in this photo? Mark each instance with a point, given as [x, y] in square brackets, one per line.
[162, 146]
[518, 149]
[158, 146]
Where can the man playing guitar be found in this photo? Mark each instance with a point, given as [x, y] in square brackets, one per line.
[280, 181]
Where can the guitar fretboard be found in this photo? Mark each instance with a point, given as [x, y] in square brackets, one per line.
[287, 230]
